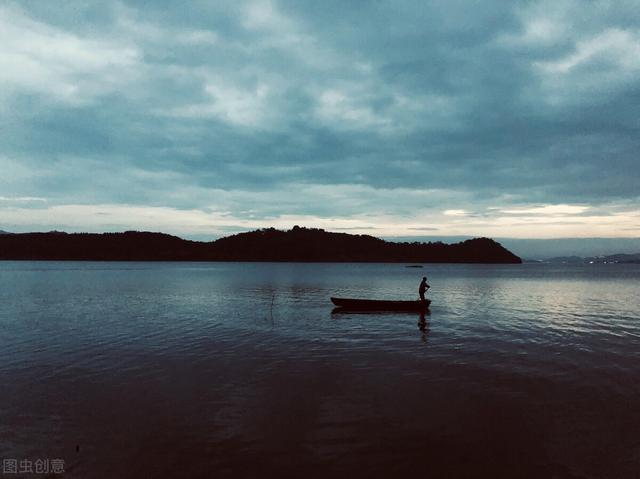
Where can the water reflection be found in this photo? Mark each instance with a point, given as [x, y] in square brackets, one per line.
[423, 326]
[423, 323]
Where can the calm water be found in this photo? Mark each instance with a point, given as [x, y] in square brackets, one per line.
[242, 370]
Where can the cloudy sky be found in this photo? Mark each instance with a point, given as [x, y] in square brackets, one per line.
[506, 119]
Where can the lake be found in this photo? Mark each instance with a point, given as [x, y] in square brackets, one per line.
[242, 370]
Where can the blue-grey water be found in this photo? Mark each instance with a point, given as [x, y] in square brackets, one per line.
[242, 370]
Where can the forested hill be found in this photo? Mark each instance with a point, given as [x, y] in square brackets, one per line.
[297, 244]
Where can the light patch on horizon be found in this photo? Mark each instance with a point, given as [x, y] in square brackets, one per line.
[455, 213]
[22, 198]
[547, 210]
[216, 223]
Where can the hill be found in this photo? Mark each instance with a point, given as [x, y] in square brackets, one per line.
[297, 244]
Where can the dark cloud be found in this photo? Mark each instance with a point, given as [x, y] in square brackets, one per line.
[155, 104]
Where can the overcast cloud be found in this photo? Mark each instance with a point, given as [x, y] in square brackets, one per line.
[506, 119]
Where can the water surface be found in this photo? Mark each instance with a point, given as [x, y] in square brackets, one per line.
[242, 370]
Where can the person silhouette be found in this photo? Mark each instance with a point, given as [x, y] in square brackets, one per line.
[423, 288]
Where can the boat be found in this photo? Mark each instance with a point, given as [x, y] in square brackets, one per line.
[380, 304]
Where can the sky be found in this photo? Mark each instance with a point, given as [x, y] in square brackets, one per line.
[394, 118]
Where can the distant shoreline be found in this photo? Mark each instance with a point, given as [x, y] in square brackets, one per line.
[304, 245]
[426, 263]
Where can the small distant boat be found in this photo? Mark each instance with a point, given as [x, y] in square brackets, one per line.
[380, 305]
[414, 266]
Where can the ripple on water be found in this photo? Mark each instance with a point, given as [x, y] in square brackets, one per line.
[244, 366]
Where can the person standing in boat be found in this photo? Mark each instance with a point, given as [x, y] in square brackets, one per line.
[423, 288]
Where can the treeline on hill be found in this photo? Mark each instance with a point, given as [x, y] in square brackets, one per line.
[297, 244]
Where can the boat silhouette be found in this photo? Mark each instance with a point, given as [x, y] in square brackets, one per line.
[353, 304]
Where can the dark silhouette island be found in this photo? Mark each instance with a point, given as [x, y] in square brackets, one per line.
[297, 244]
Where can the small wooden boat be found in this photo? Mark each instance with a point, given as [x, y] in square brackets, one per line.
[380, 305]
